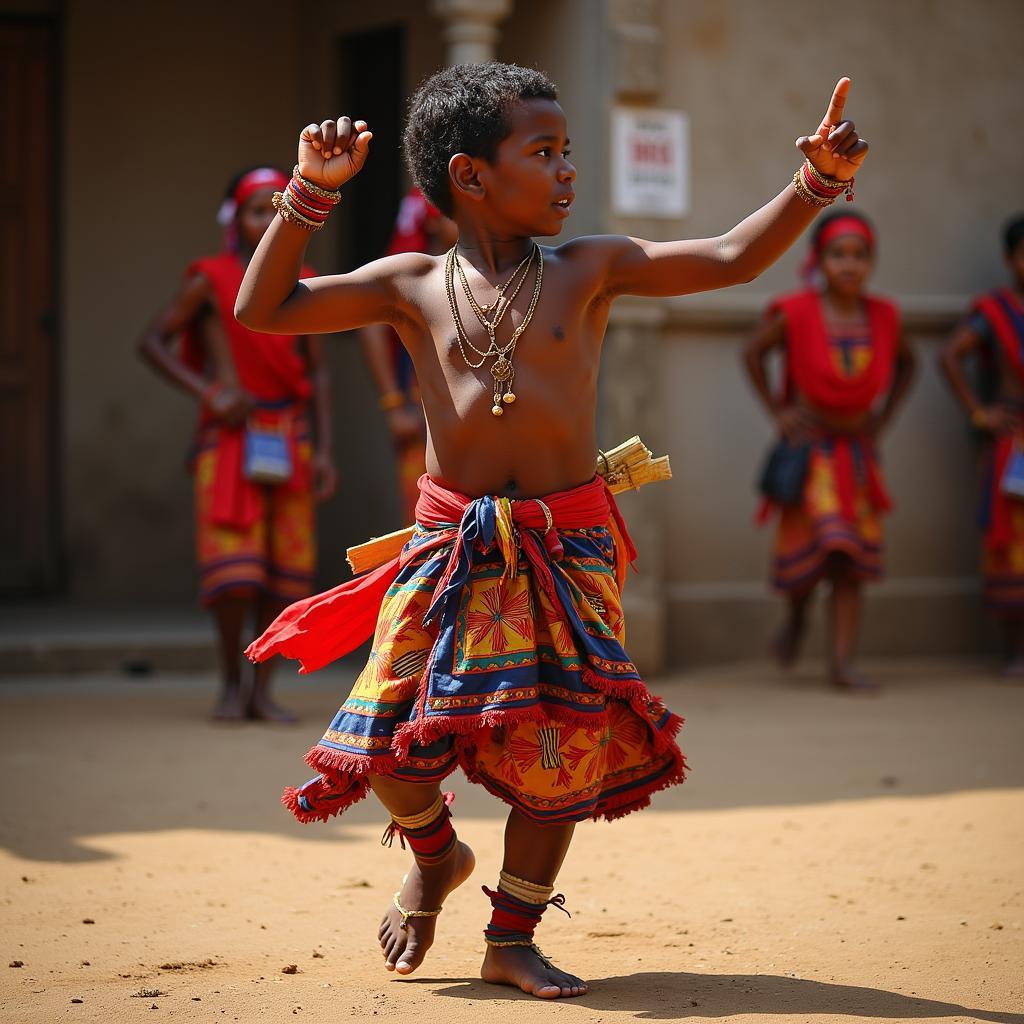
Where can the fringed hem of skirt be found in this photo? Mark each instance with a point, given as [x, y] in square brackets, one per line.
[352, 770]
[632, 692]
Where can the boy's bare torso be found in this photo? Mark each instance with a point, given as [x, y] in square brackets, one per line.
[545, 441]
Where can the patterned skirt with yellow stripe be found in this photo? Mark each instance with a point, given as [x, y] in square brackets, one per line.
[816, 527]
[540, 704]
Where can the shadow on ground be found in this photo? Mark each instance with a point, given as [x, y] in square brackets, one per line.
[91, 757]
[667, 996]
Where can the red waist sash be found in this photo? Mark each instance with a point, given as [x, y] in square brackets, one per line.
[327, 626]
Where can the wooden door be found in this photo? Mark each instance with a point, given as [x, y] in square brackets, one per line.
[29, 200]
[371, 88]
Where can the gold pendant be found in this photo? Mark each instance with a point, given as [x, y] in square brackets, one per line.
[501, 369]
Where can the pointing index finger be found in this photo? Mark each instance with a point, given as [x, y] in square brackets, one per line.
[834, 114]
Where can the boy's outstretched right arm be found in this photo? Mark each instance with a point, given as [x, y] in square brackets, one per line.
[272, 299]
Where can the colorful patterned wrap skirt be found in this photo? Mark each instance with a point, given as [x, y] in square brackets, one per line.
[275, 553]
[819, 525]
[498, 648]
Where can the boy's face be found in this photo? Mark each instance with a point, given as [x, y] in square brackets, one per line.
[846, 263]
[254, 216]
[529, 185]
[1015, 261]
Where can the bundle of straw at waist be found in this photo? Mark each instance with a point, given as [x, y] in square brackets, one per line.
[626, 467]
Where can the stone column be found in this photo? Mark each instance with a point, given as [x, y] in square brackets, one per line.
[633, 353]
[471, 28]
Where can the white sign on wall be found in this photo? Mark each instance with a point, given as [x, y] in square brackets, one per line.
[650, 162]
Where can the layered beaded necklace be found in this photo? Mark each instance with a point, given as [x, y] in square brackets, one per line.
[501, 369]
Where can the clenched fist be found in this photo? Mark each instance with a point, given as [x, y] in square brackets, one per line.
[332, 152]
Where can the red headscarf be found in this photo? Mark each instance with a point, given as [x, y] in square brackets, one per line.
[250, 183]
[844, 224]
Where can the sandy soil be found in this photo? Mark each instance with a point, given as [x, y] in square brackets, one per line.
[831, 859]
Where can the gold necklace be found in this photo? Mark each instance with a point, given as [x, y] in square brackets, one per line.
[502, 369]
[487, 307]
[491, 326]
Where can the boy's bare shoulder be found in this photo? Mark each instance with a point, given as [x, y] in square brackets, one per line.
[403, 266]
[590, 257]
[596, 250]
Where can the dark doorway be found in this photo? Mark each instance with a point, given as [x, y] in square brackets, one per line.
[29, 200]
[372, 88]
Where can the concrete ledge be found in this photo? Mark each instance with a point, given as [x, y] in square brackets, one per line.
[64, 639]
[900, 620]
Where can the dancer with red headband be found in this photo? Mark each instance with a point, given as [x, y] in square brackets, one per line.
[847, 368]
[993, 332]
[256, 473]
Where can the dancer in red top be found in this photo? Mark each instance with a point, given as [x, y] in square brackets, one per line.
[994, 332]
[847, 367]
[254, 532]
[419, 227]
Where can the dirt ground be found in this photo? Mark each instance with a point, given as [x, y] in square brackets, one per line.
[830, 859]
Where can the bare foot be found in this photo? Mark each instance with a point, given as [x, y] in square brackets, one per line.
[230, 707]
[849, 680]
[263, 709]
[521, 967]
[425, 888]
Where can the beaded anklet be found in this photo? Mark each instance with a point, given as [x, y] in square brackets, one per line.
[518, 906]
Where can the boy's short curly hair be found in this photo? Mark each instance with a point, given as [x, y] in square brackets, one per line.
[464, 109]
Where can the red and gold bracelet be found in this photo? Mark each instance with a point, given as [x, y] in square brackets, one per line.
[304, 203]
[818, 189]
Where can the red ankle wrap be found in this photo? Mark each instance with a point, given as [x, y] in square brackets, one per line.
[429, 833]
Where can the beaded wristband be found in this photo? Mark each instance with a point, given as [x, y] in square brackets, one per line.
[329, 196]
[804, 191]
[822, 184]
[290, 214]
[304, 203]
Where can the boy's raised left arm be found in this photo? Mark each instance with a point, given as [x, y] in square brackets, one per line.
[634, 266]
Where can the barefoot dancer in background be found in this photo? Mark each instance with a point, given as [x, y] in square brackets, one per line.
[994, 331]
[419, 227]
[255, 540]
[498, 642]
[847, 367]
